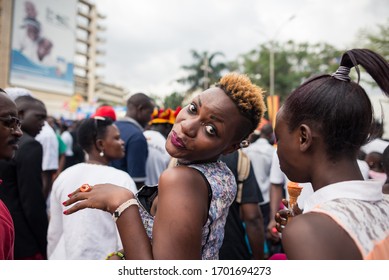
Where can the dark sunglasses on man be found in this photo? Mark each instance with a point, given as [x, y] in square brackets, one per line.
[11, 122]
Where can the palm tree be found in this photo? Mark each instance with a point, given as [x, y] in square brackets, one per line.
[204, 71]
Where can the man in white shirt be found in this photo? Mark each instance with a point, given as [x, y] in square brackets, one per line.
[49, 142]
[160, 125]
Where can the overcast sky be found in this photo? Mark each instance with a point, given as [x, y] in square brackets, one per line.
[149, 40]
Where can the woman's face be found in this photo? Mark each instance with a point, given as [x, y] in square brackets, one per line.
[9, 131]
[206, 128]
[288, 149]
[113, 145]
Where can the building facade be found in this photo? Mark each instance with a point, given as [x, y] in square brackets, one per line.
[86, 46]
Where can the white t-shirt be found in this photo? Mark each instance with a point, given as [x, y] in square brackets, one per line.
[89, 234]
[261, 153]
[68, 140]
[158, 158]
[49, 142]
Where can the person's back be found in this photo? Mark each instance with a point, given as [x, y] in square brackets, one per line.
[261, 155]
[67, 138]
[365, 227]
[97, 236]
[158, 158]
[49, 141]
[244, 234]
[22, 184]
[139, 110]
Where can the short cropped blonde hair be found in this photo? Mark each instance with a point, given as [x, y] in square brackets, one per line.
[247, 96]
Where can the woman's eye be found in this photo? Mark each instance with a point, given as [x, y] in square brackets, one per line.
[210, 129]
[192, 108]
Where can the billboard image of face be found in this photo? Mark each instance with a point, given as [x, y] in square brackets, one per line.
[43, 45]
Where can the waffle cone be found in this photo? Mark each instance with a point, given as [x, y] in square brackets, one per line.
[294, 190]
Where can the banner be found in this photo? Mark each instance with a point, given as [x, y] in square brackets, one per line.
[273, 105]
[43, 45]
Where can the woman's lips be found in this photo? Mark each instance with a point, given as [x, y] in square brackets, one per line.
[176, 141]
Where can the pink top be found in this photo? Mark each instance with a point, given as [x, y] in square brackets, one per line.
[7, 234]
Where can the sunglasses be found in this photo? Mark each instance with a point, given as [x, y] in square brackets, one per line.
[11, 122]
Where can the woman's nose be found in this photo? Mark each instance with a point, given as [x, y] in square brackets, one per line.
[189, 127]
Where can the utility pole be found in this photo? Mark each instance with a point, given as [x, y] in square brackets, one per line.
[271, 55]
[206, 69]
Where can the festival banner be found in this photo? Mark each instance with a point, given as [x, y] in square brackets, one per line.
[43, 45]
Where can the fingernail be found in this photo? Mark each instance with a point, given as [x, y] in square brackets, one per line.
[64, 203]
[65, 212]
[69, 195]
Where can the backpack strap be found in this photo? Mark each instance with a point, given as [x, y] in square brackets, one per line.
[243, 173]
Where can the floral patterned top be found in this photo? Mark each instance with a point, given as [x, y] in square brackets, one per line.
[222, 191]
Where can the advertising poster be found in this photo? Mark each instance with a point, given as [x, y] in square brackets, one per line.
[43, 45]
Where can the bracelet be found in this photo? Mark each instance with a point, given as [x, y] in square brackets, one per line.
[119, 254]
[124, 206]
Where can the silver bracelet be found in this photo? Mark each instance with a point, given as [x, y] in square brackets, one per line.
[124, 206]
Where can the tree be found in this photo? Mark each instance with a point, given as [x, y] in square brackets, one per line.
[204, 71]
[293, 63]
[173, 100]
[377, 40]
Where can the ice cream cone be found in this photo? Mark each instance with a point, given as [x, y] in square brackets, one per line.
[294, 190]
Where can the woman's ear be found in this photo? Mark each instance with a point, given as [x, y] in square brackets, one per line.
[99, 145]
[305, 137]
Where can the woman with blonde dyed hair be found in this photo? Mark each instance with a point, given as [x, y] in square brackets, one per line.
[184, 217]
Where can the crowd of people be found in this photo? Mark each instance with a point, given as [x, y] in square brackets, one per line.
[207, 181]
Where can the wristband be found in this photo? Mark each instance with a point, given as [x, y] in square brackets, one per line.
[124, 206]
[119, 254]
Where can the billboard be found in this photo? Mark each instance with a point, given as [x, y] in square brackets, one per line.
[43, 45]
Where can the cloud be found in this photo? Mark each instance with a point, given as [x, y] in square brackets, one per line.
[149, 40]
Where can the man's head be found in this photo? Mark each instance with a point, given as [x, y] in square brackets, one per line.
[10, 131]
[140, 107]
[267, 133]
[163, 121]
[32, 113]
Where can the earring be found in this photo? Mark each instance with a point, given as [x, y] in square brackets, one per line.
[101, 153]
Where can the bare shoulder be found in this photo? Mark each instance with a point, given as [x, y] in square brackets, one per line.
[182, 212]
[184, 187]
[317, 236]
[182, 173]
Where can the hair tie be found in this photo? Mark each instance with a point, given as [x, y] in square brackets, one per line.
[342, 74]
